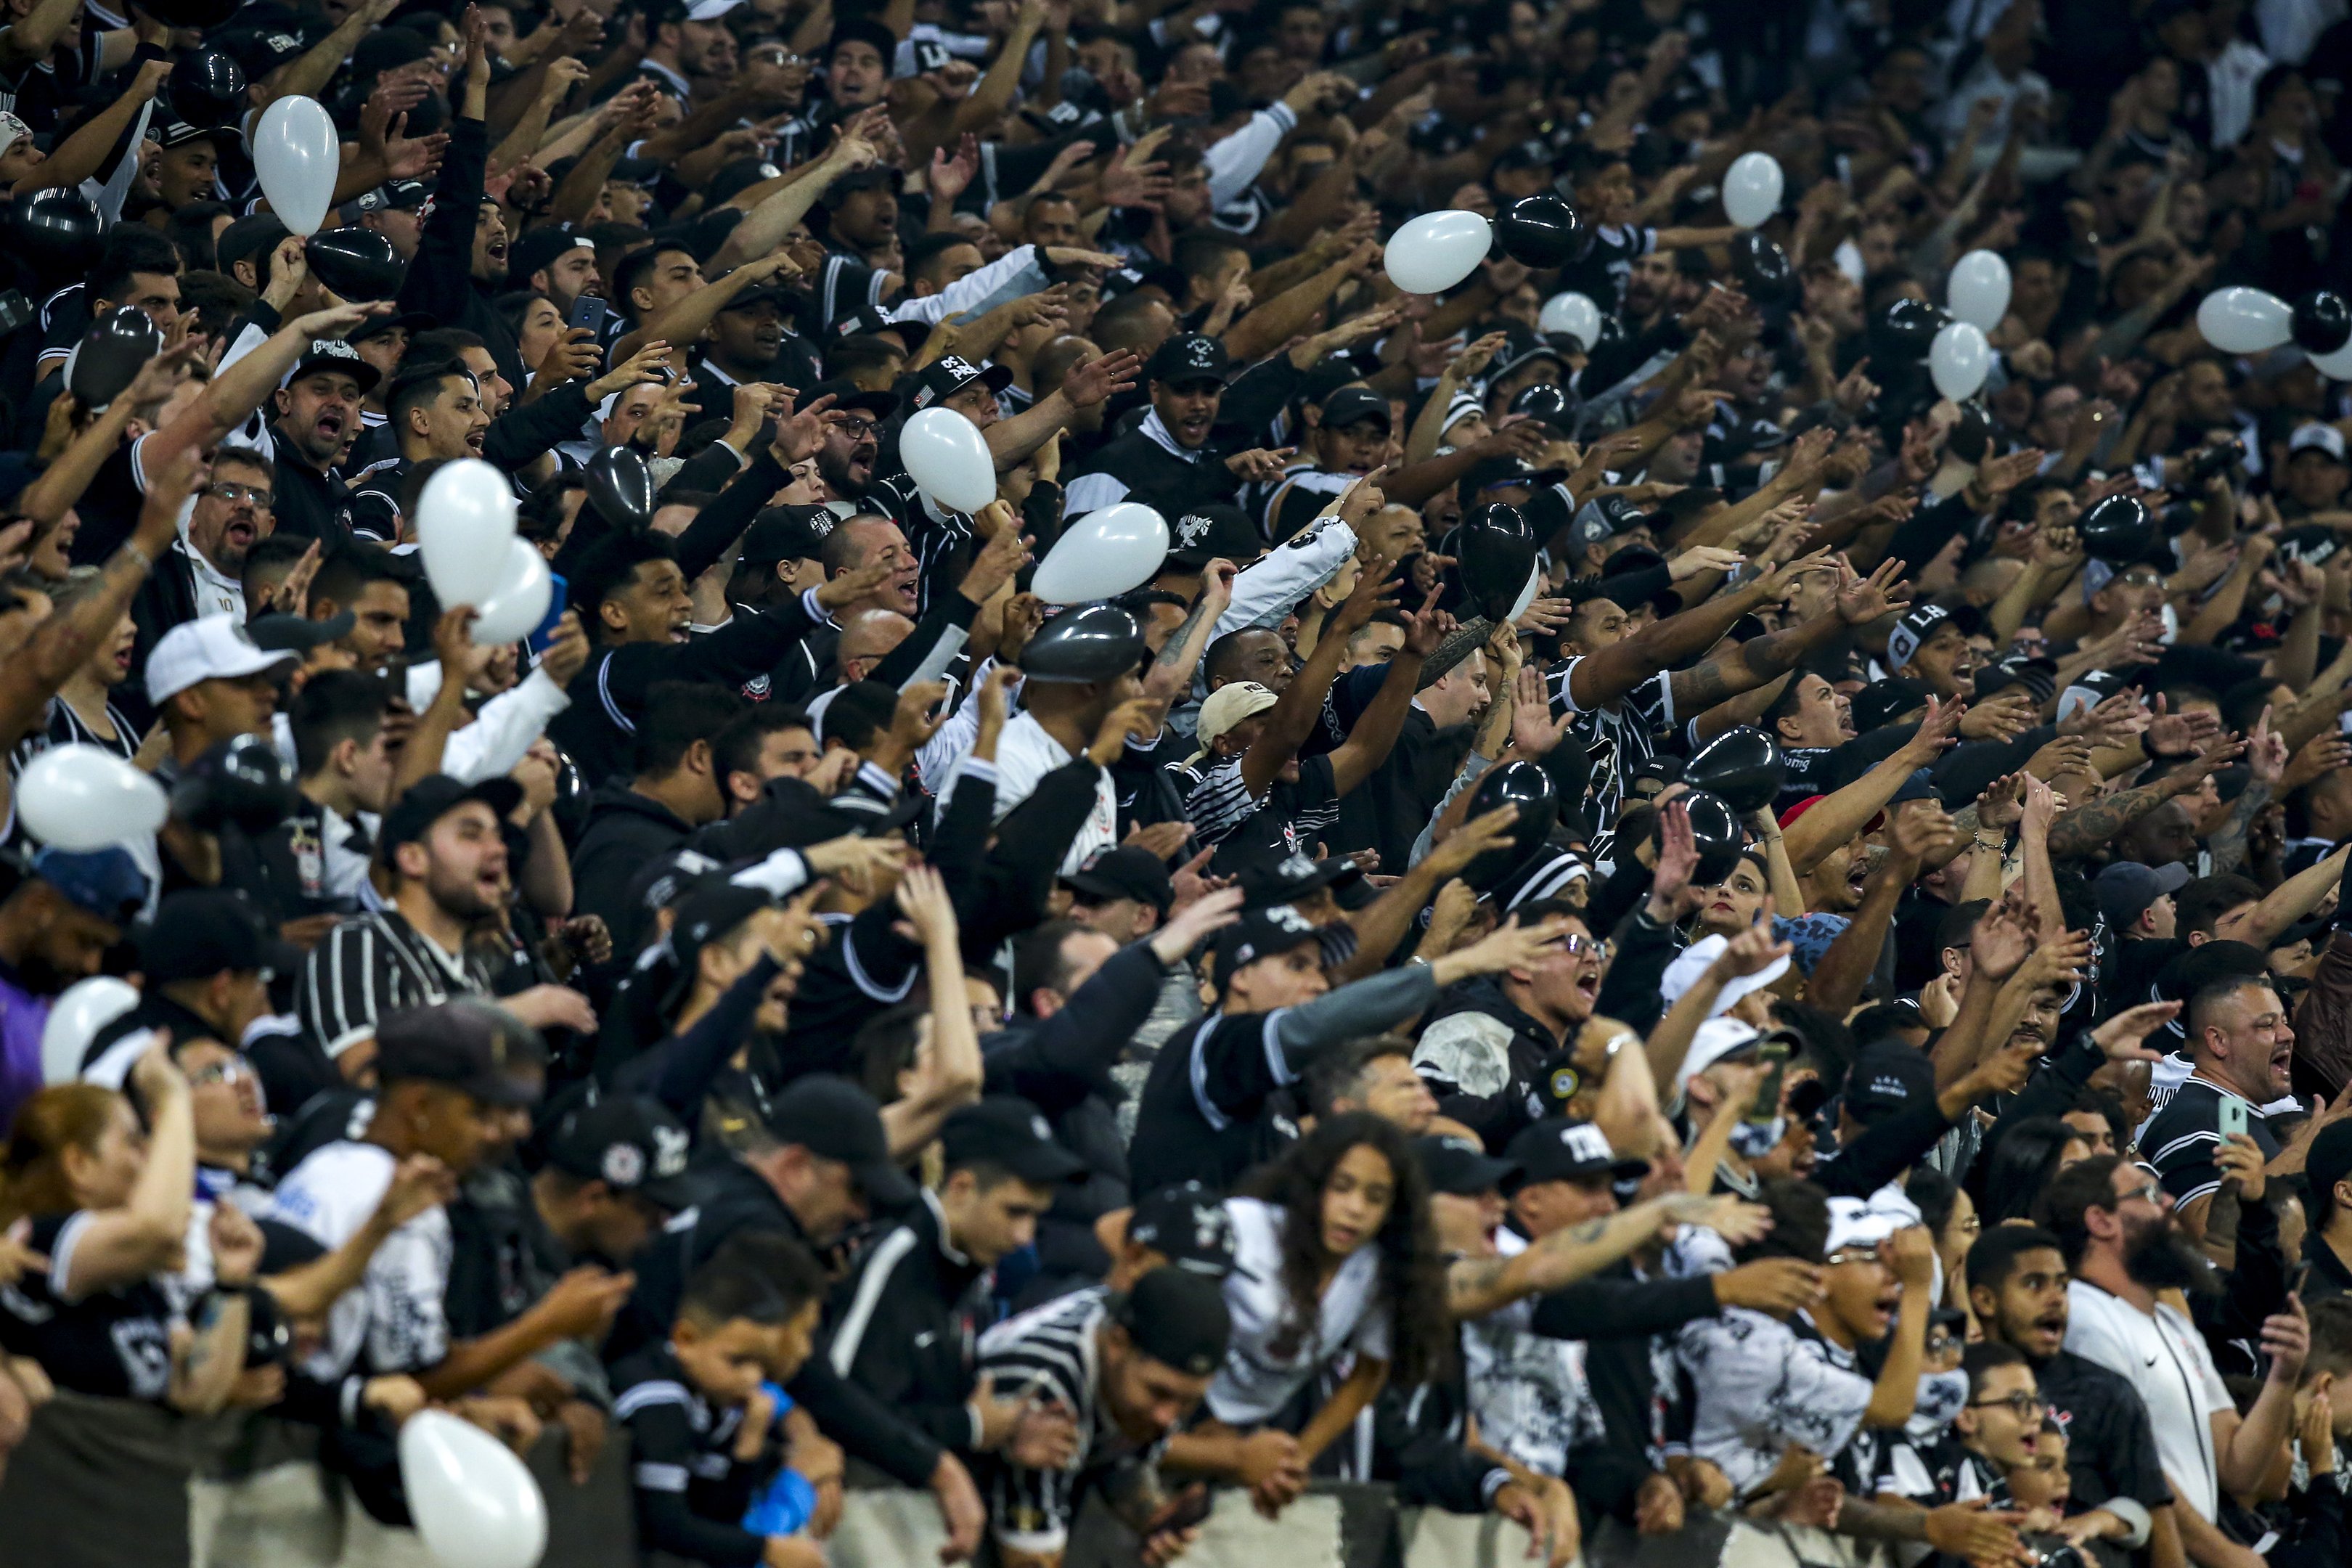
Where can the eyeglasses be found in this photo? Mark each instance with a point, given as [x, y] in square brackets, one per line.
[1939, 1342]
[2023, 1405]
[237, 1069]
[230, 493]
[1572, 944]
[854, 427]
[2147, 1193]
[1852, 1255]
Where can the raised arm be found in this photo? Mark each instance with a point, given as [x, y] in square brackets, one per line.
[953, 1074]
[85, 153]
[119, 1247]
[1294, 714]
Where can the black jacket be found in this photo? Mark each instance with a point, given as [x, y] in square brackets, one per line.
[1490, 1032]
[903, 1324]
[441, 277]
[625, 830]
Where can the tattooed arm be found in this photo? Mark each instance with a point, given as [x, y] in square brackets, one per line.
[2085, 827]
[1476, 1286]
[1170, 675]
[2228, 841]
[1752, 664]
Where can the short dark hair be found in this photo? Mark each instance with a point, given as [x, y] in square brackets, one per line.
[2211, 994]
[346, 573]
[1037, 961]
[417, 385]
[128, 248]
[884, 1048]
[677, 714]
[444, 343]
[190, 229]
[1958, 926]
[764, 1274]
[1337, 1071]
[1984, 1356]
[271, 560]
[2207, 898]
[334, 706]
[1994, 1257]
[735, 748]
[1801, 1222]
[1196, 255]
[609, 565]
[217, 300]
[2071, 1196]
[632, 268]
[928, 249]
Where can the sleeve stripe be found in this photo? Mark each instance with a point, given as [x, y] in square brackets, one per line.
[660, 1478]
[879, 1267]
[661, 1391]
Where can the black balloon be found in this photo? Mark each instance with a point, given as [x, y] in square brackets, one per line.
[58, 231]
[1543, 231]
[2323, 322]
[621, 487]
[1497, 548]
[1100, 641]
[1525, 788]
[1906, 330]
[243, 781]
[1547, 400]
[190, 13]
[357, 263]
[207, 89]
[1762, 267]
[1972, 436]
[1743, 765]
[1715, 829]
[110, 355]
[2117, 529]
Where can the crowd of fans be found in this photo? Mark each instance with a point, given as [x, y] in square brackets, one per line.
[1833, 1006]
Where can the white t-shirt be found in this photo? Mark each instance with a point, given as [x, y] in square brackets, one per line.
[394, 1314]
[1762, 1387]
[2165, 1359]
[1528, 1391]
[1025, 754]
[1254, 1383]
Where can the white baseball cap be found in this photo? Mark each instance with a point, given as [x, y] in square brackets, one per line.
[1693, 963]
[1713, 1040]
[212, 647]
[2324, 438]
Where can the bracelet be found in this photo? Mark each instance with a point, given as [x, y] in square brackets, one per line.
[146, 562]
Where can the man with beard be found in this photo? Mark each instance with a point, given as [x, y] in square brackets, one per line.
[2017, 1286]
[2240, 1046]
[54, 929]
[1167, 457]
[317, 416]
[845, 461]
[689, 48]
[557, 262]
[2118, 1236]
[437, 413]
[203, 573]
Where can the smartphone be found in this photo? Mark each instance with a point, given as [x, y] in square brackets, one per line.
[1773, 1052]
[545, 631]
[1182, 1512]
[589, 311]
[2233, 1116]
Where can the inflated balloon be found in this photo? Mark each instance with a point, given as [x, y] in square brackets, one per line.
[1743, 765]
[1751, 189]
[464, 521]
[357, 263]
[111, 355]
[1763, 270]
[621, 487]
[1102, 554]
[1904, 332]
[76, 1017]
[947, 460]
[1527, 788]
[2323, 323]
[1543, 230]
[2337, 366]
[1085, 643]
[207, 89]
[57, 231]
[2240, 320]
[1495, 547]
[519, 602]
[1978, 290]
[85, 798]
[475, 1504]
[1971, 436]
[1959, 359]
[1527, 595]
[1436, 250]
[1572, 315]
[1715, 829]
[297, 158]
[1547, 401]
[2116, 528]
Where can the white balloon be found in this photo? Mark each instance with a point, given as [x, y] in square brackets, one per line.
[474, 1502]
[1978, 290]
[297, 156]
[519, 602]
[464, 521]
[2337, 366]
[1751, 189]
[1527, 594]
[1571, 314]
[85, 798]
[947, 460]
[1103, 553]
[1436, 250]
[2244, 321]
[75, 1019]
[1959, 360]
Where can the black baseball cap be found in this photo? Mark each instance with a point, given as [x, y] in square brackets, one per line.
[298, 634]
[1461, 1166]
[869, 321]
[1188, 358]
[335, 355]
[847, 395]
[1006, 1130]
[708, 912]
[1563, 1149]
[1289, 880]
[1268, 932]
[1178, 1319]
[1218, 529]
[179, 134]
[201, 931]
[434, 796]
[1353, 405]
[1888, 1077]
[631, 1144]
[1127, 871]
[1188, 1225]
[474, 1046]
[786, 534]
[951, 373]
[834, 1119]
[1883, 701]
[541, 247]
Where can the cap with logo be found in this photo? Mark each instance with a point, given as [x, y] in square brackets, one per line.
[1857, 1227]
[334, 357]
[834, 1119]
[1888, 1077]
[1227, 706]
[2126, 889]
[1562, 1148]
[1912, 632]
[475, 1047]
[1353, 405]
[1178, 1319]
[869, 321]
[1290, 879]
[1187, 359]
[1461, 1167]
[786, 534]
[1272, 932]
[631, 1144]
[2316, 437]
[948, 374]
[1883, 701]
[434, 796]
[848, 398]
[1006, 1131]
[199, 932]
[180, 134]
[543, 247]
[1125, 871]
[210, 648]
[1213, 531]
[1186, 1225]
[260, 50]
[710, 911]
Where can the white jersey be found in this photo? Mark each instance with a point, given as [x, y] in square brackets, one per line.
[1257, 1381]
[394, 1314]
[2164, 1358]
[1527, 1390]
[1024, 754]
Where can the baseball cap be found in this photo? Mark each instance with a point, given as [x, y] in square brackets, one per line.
[1694, 961]
[1919, 625]
[2037, 678]
[1197, 538]
[951, 373]
[834, 1119]
[1186, 1225]
[847, 395]
[1461, 1166]
[1888, 1077]
[706, 913]
[786, 534]
[631, 1144]
[107, 883]
[1524, 347]
[434, 796]
[298, 634]
[1188, 358]
[873, 177]
[249, 238]
[1125, 871]
[1290, 879]
[539, 247]
[260, 50]
[1352, 406]
[199, 932]
[868, 320]
[1007, 1131]
[1178, 1319]
[179, 134]
[2316, 437]
[1563, 1149]
[473, 1046]
[1717, 1040]
[1228, 706]
[210, 648]
[2328, 1161]
[336, 356]
[2126, 889]
[1854, 1224]
[12, 131]
[1882, 700]
[1267, 933]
